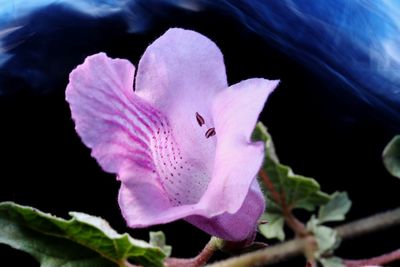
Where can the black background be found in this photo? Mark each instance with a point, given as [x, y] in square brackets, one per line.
[321, 133]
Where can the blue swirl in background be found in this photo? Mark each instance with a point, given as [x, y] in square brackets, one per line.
[356, 43]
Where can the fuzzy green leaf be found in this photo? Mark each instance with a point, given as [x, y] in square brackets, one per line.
[157, 239]
[391, 156]
[83, 240]
[274, 226]
[298, 191]
[326, 237]
[335, 209]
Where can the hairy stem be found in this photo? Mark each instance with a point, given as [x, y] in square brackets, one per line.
[200, 260]
[268, 255]
[370, 224]
[297, 246]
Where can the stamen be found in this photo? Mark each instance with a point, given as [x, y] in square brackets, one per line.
[210, 132]
[200, 119]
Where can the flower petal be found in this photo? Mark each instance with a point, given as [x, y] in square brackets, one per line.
[144, 202]
[180, 74]
[131, 138]
[237, 159]
[181, 68]
[238, 226]
[106, 113]
[163, 159]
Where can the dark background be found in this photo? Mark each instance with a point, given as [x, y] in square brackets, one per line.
[336, 138]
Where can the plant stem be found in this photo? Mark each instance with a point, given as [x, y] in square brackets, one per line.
[370, 224]
[384, 259]
[200, 260]
[295, 247]
[268, 255]
[278, 198]
[294, 224]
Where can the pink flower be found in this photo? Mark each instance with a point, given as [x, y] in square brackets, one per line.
[180, 143]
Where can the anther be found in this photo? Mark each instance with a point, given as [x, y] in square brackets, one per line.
[200, 119]
[210, 132]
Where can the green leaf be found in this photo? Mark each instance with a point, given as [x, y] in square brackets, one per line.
[82, 241]
[332, 262]
[326, 237]
[157, 239]
[298, 191]
[335, 209]
[274, 226]
[391, 156]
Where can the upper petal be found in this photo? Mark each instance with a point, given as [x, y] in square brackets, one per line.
[181, 67]
[180, 74]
